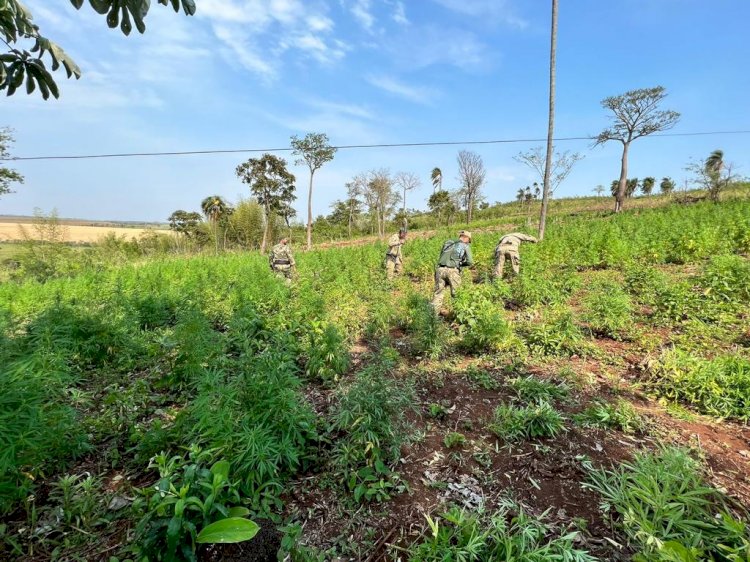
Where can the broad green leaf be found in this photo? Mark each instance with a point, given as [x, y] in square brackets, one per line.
[229, 530]
[238, 511]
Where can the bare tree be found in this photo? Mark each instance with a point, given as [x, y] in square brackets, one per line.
[354, 190]
[471, 174]
[313, 150]
[599, 190]
[380, 197]
[636, 114]
[559, 168]
[406, 181]
[550, 123]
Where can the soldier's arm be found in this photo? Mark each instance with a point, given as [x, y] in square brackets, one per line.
[527, 238]
[468, 259]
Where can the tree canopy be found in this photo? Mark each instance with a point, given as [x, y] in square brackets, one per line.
[25, 63]
[8, 176]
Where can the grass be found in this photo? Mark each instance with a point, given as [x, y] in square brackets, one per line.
[515, 423]
[666, 510]
[112, 359]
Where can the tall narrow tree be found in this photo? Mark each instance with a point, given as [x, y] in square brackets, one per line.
[636, 114]
[406, 181]
[471, 174]
[215, 208]
[271, 184]
[313, 150]
[550, 122]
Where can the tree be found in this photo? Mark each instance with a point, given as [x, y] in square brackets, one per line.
[647, 185]
[550, 123]
[521, 196]
[559, 168]
[472, 175]
[215, 209]
[27, 47]
[599, 190]
[8, 176]
[636, 114]
[247, 223]
[442, 206]
[713, 174]
[631, 186]
[184, 222]
[406, 181]
[380, 197]
[436, 176]
[667, 185]
[313, 150]
[271, 184]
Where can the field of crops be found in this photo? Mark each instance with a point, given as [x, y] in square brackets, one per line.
[596, 407]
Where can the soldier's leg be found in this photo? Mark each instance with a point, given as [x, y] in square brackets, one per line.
[515, 260]
[397, 267]
[454, 278]
[499, 265]
[439, 294]
[390, 267]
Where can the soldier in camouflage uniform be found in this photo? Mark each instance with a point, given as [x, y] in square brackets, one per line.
[393, 257]
[454, 255]
[282, 260]
[507, 249]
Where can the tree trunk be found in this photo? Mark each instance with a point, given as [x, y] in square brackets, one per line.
[309, 211]
[550, 122]
[623, 185]
[265, 233]
[403, 219]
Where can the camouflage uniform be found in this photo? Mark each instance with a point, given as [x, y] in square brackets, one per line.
[454, 255]
[282, 261]
[507, 249]
[393, 258]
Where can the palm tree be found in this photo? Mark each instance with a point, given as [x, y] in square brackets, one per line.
[215, 208]
[520, 196]
[713, 167]
[550, 122]
[437, 179]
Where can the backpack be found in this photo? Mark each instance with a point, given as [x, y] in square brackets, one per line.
[449, 256]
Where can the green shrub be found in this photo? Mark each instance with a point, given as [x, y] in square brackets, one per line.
[327, 354]
[556, 333]
[514, 423]
[664, 507]
[259, 418]
[531, 389]
[727, 279]
[644, 283]
[454, 439]
[479, 378]
[508, 534]
[482, 325]
[608, 311]
[371, 421]
[719, 387]
[543, 287]
[428, 334]
[619, 415]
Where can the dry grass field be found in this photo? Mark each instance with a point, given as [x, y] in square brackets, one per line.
[11, 231]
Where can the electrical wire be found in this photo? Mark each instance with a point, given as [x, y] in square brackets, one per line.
[344, 147]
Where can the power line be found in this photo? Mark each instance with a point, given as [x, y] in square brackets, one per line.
[345, 147]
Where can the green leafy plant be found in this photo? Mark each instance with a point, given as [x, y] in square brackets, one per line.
[719, 387]
[608, 311]
[555, 334]
[664, 507]
[190, 495]
[532, 389]
[514, 423]
[508, 534]
[454, 440]
[480, 378]
[482, 325]
[428, 333]
[327, 356]
[618, 415]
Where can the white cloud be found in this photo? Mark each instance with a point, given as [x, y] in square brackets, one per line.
[406, 91]
[399, 13]
[429, 45]
[488, 10]
[257, 33]
[361, 10]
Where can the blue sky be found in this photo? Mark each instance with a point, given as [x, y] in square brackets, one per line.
[250, 73]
